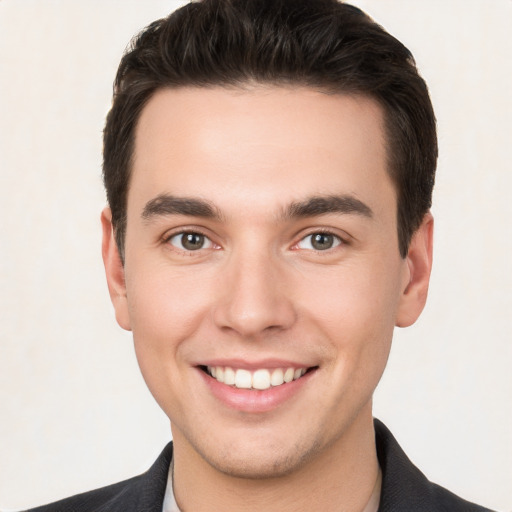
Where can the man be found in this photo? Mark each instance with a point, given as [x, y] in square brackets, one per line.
[269, 169]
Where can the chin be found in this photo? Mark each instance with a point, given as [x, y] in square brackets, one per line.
[261, 462]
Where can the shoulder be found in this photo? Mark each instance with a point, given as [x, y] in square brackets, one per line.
[143, 492]
[406, 488]
[95, 500]
[446, 501]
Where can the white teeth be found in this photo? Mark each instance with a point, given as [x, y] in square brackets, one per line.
[289, 374]
[277, 377]
[260, 379]
[243, 379]
[229, 376]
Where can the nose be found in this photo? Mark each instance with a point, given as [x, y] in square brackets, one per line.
[254, 298]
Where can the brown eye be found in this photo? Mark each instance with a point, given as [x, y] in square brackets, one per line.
[190, 241]
[319, 241]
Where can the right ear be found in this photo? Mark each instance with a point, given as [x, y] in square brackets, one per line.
[114, 271]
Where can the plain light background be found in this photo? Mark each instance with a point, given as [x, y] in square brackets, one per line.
[74, 411]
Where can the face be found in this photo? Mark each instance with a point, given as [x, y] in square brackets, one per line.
[262, 278]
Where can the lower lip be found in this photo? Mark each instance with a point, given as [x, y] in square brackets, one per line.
[252, 400]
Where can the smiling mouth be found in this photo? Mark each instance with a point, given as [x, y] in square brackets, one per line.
[260, 379]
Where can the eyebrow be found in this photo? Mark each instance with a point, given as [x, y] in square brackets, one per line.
[322, 205]
[165, 204]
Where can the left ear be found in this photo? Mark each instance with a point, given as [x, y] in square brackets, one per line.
[419, 264]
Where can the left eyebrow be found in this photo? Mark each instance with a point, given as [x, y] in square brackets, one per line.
[322, 205]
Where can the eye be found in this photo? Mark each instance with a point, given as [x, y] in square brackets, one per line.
[190, 241]
[319, 241]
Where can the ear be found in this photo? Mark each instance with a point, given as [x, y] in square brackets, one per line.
[114, 271]
[419, 265]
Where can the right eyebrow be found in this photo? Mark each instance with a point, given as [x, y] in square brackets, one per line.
[322, 205]
[165, 204]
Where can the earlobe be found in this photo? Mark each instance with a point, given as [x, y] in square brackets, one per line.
[114, 271]
[419, 266]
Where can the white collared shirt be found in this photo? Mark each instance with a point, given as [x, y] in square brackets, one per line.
[170, 504]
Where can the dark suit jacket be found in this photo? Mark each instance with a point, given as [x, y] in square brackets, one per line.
[404, 487]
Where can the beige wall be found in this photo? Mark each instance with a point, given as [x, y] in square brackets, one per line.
[74, 411]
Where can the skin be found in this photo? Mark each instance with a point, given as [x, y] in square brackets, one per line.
[257, 291]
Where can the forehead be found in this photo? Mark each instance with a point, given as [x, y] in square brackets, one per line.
[296, 141]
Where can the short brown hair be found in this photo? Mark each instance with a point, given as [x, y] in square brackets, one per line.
[323, 44]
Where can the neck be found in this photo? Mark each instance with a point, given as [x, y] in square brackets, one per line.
[342, 477]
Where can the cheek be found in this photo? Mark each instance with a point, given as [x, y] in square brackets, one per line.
[355, 309]
[165, 310]
[353, 298]
[165, 303]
